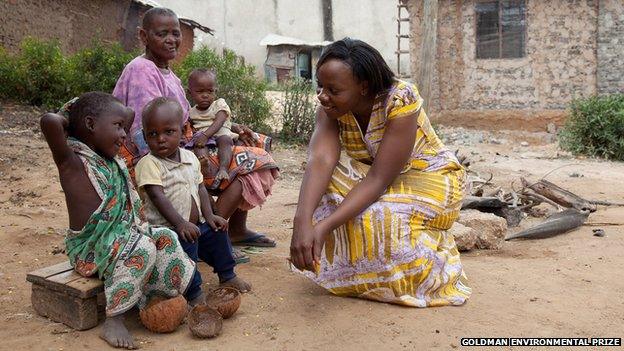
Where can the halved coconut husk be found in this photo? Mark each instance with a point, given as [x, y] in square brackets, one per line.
[204, 322]
[164, 315]
[226, 300]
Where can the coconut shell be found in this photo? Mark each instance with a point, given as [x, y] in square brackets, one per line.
[225, 300]
[163, 315]
[204, 322]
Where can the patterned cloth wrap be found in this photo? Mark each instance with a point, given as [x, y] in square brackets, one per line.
[135, 260]
[397, 250]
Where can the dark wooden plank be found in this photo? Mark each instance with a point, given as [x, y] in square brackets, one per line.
[46, 272]
[59, 282]
[73, 311]
[87, 287]
[63, 278]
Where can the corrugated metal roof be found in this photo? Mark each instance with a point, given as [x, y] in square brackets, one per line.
[149, 3]
[274, 39]
[187, 21]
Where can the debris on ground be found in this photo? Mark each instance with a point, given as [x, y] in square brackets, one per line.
[559, 223]
[488, 210]
[490, 229]
[598, 232]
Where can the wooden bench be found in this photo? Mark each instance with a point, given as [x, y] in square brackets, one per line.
[61, 294]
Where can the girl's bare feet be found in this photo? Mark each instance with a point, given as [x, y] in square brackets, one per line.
[115, 333]
[238, 284]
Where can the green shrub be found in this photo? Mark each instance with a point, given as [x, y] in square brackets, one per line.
[8, 74]
[97, 67]
[238, 85]
[595, 127]
[298, 111]
[41, 75]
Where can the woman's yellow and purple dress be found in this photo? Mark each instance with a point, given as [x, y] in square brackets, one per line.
[398, 249]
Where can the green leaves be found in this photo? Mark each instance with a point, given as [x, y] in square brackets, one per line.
[40, 74]
[298, 111]
[595, 127]
[237, 84]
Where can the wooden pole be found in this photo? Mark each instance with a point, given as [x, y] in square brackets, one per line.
[428, 48]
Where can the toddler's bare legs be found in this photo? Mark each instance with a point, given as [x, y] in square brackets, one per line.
[202, 155]
[224, 144]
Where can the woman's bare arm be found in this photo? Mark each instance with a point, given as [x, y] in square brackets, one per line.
[323, 155]
[392, 155]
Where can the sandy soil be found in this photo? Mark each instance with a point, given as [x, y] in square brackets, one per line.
[567, 286]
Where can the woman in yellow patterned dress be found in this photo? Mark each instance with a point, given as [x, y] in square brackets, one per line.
[373, 223]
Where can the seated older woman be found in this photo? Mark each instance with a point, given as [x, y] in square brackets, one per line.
[252, 171]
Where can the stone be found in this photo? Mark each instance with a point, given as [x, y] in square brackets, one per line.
[489, 228]
[551, 128]
[465, 237]
[524, 143]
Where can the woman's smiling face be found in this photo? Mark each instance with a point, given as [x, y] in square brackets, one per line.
[162, 38]
[339, 91]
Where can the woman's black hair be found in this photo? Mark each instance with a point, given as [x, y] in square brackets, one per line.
[365, 62]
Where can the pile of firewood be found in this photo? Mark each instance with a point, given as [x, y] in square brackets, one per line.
[515, 205]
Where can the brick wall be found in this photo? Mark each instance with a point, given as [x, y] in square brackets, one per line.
[611, 46]
[76, 23]
[560, 62]
[73, 22]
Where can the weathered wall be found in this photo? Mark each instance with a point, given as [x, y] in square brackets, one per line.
[240, 25]
[75, 23]
[611, 46]
[560, 62]
[375, 22]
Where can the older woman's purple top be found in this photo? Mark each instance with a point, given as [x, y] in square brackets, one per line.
[141, 81]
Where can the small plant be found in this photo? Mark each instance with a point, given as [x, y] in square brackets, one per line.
[8, 74]
[41, 75]
[298, 112]
[595, 127]
[238, 85]
[97, 67]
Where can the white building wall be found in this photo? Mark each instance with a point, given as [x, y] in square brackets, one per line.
[240, 24]
[375, 22]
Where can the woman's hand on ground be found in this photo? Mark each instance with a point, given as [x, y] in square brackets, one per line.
[217, 222]
[187, 231]
[306, 245]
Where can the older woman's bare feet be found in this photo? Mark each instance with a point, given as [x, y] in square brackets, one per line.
[115, 333]
[238, 284]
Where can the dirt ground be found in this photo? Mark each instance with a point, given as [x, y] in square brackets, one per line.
[567, 286]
